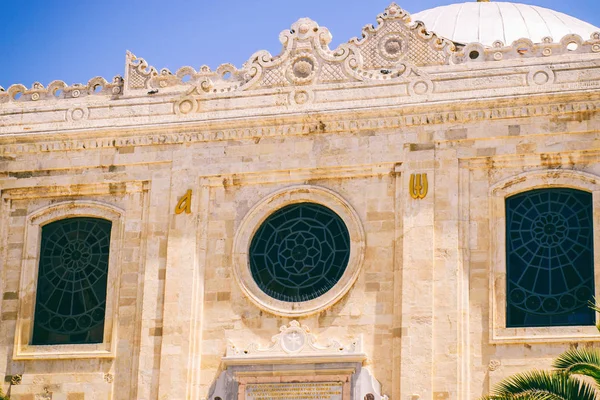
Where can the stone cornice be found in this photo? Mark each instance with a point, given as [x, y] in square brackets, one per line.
[546, 160]
[453, 85]
[346, 121]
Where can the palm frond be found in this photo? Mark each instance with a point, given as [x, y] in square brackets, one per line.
[580, 361]
[521, 396]
[542, 385]
[593, 304]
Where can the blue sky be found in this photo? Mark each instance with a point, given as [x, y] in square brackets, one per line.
[76, 40]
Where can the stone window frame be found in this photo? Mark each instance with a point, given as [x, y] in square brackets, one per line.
[525, 182]
[23, 350]
[259, 213]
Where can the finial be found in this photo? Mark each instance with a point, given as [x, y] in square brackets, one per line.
[483, 1]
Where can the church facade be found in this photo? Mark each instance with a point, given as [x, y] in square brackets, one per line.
[407, 216]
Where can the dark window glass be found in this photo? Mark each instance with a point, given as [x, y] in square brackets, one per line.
[299, 252]
[71, 291]
[549, 258]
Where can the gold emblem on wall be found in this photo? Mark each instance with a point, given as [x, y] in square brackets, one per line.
[184, 203]
[418, 186]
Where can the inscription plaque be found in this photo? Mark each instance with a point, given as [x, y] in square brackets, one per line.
[294, 391]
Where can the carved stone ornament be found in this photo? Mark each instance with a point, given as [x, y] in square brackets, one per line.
[57, 90]
[541, 76]
[77, 114]
[525, 48]
[394, 49]
[300, 97]
[494, 365]
[296, 342]
[295, 355]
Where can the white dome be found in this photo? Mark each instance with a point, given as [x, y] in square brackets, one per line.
[486, 22]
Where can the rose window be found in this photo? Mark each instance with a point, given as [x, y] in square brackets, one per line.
[550, 274]
[299, 252]
[302, 68]
[71, 291]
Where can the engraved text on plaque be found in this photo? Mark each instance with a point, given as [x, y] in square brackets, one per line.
[294, 391]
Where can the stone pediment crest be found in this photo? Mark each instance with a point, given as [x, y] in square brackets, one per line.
[295, 341]
[394, 49]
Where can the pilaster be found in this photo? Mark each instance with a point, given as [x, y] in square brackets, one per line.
[417, 341]
[179, 294]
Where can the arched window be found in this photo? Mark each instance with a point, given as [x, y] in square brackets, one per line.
[71, 291]
[549, 258]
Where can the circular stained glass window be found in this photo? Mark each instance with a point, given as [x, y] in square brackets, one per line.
[299, 252]
[549, 236]
[71, 292]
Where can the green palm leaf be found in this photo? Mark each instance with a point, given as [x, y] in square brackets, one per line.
[542, 385]
[580, 361]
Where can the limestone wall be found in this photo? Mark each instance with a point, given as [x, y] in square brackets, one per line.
[428, 295]
[422, 297]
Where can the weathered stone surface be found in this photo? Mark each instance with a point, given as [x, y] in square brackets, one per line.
[427, 288]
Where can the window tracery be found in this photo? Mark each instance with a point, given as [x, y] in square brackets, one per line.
[72, 281]
[299, 252]
[550, 269]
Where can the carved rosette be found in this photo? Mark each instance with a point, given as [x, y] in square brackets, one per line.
[305, 57]
[396, 44]
[77, 114]
[541, 76]
[420, 87]
[303, 68]
[186, 105]
[392, 46]
[301, 97]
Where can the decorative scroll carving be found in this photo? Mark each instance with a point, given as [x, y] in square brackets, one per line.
[525, 48]
[137, 72]
[60, 90]
[295, 340]
[396, 43]
[392, 50]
